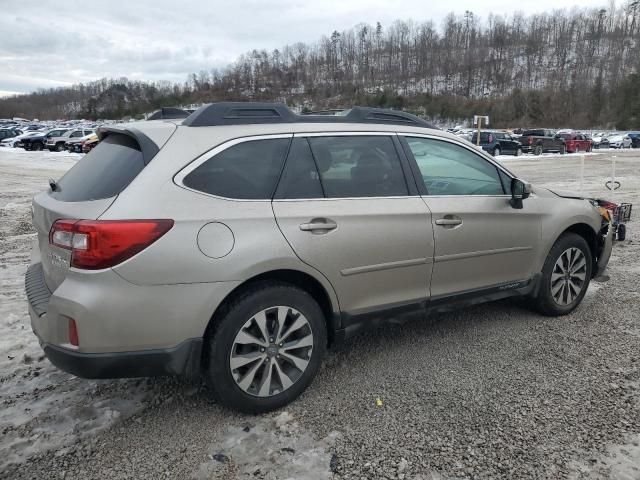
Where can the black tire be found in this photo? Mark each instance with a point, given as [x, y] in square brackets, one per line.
[59, 146]
[37, 146]
[496, 151]
[231, 319]
[545, 303]
[518, 152]
[537, 150]
[621, 232]
[562, 150]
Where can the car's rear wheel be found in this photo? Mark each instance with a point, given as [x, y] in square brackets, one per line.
[59, 146]
[518, 151]
[563, 150]
[537, 150]
[37, 146]
[265, 348]
[496, 151]
[565, 276]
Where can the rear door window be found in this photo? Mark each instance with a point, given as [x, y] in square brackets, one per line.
[102, 173]
[247, 170]
[358, 166]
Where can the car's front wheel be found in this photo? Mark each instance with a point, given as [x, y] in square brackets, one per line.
[565, 276]
[265, 348]
[518, 152]
[496, 152]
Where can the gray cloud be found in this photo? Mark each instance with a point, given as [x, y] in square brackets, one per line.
[60, 43]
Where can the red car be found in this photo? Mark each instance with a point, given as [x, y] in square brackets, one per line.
[577, 142]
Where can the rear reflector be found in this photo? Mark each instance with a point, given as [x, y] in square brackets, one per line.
[98, 244]
[73, 333]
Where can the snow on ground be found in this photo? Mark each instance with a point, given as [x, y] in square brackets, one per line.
[507, 158]
[42, 408]
[17, 157]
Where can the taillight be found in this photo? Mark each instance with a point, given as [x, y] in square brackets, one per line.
[530, 140]
[73, 333]
[97, 244]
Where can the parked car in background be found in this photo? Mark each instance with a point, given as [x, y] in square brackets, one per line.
[576, 142]
[542, 140]
[620, 141]
[38, 142]
[635, 139]
[57, 144]
[9, 132]
[17, 140]
[497, 143]
[90, 143]
[75, 144]
[600, 140]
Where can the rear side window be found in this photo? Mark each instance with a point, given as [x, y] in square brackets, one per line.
[102, 173]
[247, 170]
[358, 166]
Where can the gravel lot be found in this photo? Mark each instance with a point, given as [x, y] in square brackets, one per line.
[493, 391]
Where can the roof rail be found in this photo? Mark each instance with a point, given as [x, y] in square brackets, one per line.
[169, 113]
[244, 113]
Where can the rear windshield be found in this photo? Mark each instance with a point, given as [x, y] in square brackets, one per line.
[535, 133]
[102, 173]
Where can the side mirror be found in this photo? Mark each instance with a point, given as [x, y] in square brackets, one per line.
[520, 190]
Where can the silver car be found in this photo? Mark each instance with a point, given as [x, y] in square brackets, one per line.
[239, 243]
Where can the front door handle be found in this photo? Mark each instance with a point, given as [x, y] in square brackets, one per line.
[449, 222]
[319, 225]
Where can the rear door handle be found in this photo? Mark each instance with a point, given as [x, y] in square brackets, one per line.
[319, 225]
[449, 222]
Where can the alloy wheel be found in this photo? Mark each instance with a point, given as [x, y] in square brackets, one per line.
[568, 277]
[271, 351]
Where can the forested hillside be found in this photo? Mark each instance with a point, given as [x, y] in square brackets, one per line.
[577, 67]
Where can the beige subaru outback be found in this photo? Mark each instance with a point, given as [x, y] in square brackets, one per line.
[240, 242]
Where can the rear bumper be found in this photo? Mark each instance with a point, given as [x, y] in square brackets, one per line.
[183, 359]
[125, 330]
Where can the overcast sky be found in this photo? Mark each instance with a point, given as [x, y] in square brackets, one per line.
[45, 44]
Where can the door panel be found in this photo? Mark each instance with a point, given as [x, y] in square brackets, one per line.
[493, 244]
[480, 240]
[377, 252]
[369, 237]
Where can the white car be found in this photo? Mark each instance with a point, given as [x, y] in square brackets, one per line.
[620, 141]
[15, 141]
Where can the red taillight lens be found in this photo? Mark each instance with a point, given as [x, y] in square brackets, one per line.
[97, 244]
[73, 333]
